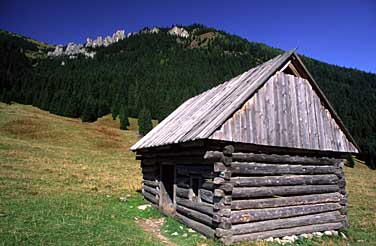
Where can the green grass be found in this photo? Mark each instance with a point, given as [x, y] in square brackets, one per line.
[66, 219]
[61, 179]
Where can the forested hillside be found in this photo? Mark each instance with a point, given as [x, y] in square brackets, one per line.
[150, 74]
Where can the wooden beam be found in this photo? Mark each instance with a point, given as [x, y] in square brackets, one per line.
[281, 159]
[197, 226]
[198, 206]
[285, 180]
[274, 224]
[251, 192]
[274, 169]
[244, 216]
[287, 232]
[285, 201]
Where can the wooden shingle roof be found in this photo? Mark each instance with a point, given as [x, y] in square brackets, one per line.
[200, 116]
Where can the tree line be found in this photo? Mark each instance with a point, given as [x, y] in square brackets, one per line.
[148, 75]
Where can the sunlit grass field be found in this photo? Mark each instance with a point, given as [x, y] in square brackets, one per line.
[61, 179]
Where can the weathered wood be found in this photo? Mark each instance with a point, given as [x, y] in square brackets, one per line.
[225, 174]
[195, 215]
[228, 150]
[219, 193]
[251, 192]
[206, 195]
[150, 189]
[249, 215]
[224, 212]
[182, 181]
[221, 222]
[150, 197]
[217, 156]
[273, 169]
[287, 231]
[277, 110]
[178, 153]
[313, 120]
[280, 159]
[197, 226]
[257, 118]
[219, 232]
[269, 112]
[299, 106]
[201, 170]
[218, 180]
[268, 225]
[285, 201]
[285, 180]
[209, 185]
[152, 183]
[198, 206]
[183, 192]
[221, 109]
[219, 167]
[183, 160]
[319, 120]
[294, 133]
[283, 103]
[227, 187]
[218, 201]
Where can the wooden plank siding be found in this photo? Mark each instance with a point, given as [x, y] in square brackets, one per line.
[285, 112]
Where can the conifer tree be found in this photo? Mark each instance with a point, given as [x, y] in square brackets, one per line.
[103, 108]
[144, 122]
[115, 110]
[90, 113]
[123, 115]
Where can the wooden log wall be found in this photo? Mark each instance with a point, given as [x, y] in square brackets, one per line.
[342, 190]
[150, 181]
[222, 192]
[193, 210]
[277, 195]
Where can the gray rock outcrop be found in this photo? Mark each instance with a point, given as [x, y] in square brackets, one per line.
[178, 31]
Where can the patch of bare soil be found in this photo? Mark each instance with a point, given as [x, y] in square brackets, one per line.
[153, 226]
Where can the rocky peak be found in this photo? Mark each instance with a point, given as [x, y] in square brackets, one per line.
[72, 50]
[99, 41]
[178, 31]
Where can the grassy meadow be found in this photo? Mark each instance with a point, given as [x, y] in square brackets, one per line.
[61, 180]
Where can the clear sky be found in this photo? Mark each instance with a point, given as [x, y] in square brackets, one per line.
[337, 32]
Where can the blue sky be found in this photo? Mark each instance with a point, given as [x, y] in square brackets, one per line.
[337, 32]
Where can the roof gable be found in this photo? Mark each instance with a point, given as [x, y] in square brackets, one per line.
[285, 112]
[200, 116]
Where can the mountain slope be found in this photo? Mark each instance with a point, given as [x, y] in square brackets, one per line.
[158, 71]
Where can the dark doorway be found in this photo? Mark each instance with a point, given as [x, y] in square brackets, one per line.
[167, 188]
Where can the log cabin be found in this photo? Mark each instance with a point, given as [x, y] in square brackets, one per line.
[261, 155]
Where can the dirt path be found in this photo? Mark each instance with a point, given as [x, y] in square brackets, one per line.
[153, 226]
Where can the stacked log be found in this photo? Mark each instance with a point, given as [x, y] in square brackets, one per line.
[342, 190]
[223, 188]
[150, 182]
[279, 195]
[195, 210]
[250, 196]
